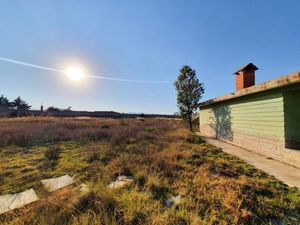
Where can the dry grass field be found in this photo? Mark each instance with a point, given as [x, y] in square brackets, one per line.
[160, 154]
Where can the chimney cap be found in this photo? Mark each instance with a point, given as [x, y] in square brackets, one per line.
[247, 67]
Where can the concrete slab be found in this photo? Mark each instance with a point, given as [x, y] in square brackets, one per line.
[12, 201]
[283, 172]
[54, 184]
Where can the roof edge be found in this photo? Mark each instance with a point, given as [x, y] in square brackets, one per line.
[249, 66]
[290, 79]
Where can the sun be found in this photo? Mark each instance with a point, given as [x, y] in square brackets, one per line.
[75, 73]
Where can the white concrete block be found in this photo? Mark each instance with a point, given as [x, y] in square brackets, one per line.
[12, 201]
[54, 184]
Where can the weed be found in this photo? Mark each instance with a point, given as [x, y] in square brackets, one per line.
[105, 126]
[194, 139]
[52, 153]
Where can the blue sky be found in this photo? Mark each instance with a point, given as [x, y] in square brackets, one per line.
[144, 40]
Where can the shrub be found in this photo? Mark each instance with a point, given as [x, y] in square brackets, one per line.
[140, 178]
[105, 126]
[194, 139]
[23, 140]
[159, 192]
[124, 123]
[52, 153]
[93, 158]
[149, 129]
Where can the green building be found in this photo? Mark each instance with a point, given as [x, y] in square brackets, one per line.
[264, 118]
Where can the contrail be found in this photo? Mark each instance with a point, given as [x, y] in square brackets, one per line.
[30, 65]
[88, 75]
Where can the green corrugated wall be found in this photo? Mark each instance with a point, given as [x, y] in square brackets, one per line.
[267, 122]
[258, 115]
[292, 118]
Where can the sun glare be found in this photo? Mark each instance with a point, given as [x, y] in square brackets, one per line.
[75, 74]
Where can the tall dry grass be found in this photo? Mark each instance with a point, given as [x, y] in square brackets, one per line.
[162, 157]
[28, 131]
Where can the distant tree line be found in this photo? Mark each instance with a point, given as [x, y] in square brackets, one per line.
[17, 107]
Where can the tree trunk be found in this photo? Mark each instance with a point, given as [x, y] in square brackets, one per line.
[190, 122]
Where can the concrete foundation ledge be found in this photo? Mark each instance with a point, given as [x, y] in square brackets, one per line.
[283, 172]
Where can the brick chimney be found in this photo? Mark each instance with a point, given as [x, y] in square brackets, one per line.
[245, 76]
